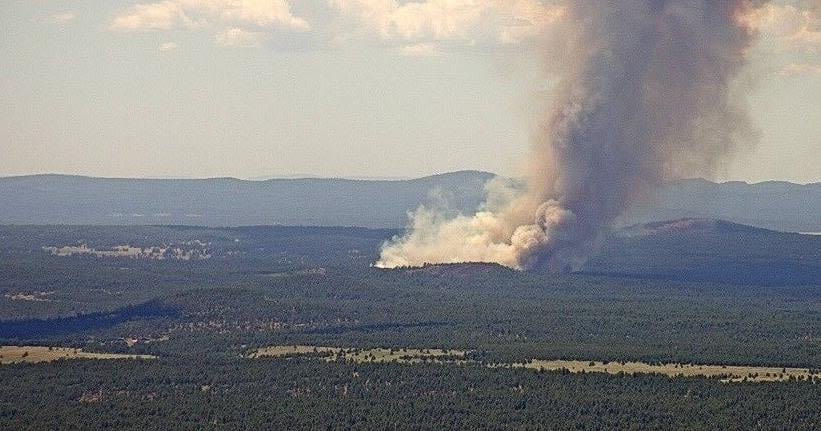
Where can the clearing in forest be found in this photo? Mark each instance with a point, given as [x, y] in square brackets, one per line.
[727, 373]
[12, 354]
[362, 355]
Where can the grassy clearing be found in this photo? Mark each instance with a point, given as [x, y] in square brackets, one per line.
[34, 354]
[378, 355]
[728, 373]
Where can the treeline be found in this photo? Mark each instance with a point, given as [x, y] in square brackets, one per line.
[296, 394]
[503, 316]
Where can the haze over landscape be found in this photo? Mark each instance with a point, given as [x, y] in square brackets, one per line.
[410, 214]
[335, 202]
[201, 89]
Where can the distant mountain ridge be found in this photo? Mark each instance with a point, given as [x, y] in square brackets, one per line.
[61, 199]
[65, 199]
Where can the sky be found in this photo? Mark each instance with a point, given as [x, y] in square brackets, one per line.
[341, 88]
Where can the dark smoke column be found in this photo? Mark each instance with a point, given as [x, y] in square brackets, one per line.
[646, 98]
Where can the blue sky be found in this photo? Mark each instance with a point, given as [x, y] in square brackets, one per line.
[359, 88]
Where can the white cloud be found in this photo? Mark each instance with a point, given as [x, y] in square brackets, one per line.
[62, 18]
[237, 37]
[153, 16]
[190, 14]
[420, 27]
[168, 46]
[262, 13]
[788, 27]
[464, 21]
[798, 69]
[789, 31]
[420, 50]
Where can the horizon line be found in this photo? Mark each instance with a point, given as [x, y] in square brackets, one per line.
[375, 178]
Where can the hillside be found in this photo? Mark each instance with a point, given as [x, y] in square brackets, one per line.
[773, 205]
[711, 250]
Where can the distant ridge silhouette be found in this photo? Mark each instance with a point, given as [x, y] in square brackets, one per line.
[67, 199]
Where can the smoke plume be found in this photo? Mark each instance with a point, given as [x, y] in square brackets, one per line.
[645, 96]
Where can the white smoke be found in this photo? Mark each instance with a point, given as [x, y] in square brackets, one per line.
[645, 97]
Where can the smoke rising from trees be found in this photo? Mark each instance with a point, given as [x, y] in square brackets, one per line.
[645, 96]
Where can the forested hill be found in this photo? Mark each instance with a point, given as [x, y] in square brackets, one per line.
[711, 250]
[60, 199]
[775, 205]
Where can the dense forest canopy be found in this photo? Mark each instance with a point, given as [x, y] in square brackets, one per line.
[711, 293]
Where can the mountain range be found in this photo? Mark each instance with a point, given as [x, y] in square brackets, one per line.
[64, 199]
